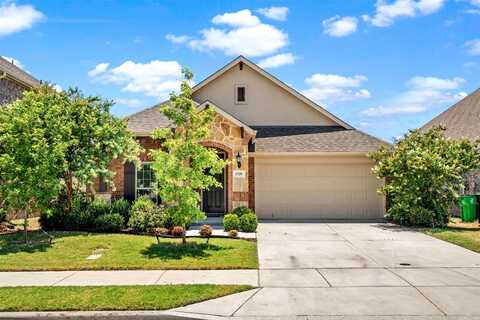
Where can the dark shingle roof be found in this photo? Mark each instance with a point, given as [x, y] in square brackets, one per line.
[313, 139]
[17, 73]
[462, 120]
[145, 121]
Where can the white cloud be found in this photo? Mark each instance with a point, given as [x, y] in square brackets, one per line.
[340, 26]
[15, 61]
[473, 11]
[433, 83]
[15, 18]
[57, 88]
[473, 47]
[133, 103]
[177, 39]
[275, 13]
[475, 2]
[277, 60]
[155, 78]
[99, 69]
[423, 93]
[331, 88]
[387, 12]
[245, 35]
[242, 18]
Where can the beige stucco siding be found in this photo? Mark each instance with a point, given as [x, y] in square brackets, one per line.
[317, 187]
[267, 103]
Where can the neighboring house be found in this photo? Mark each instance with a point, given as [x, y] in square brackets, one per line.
[13, 81]
[289, 158]
[462, 120]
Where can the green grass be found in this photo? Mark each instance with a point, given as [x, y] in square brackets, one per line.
[110, 297]
[123, 251]
[469, 239]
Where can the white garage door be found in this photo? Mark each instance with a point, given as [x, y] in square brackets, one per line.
[316, 187]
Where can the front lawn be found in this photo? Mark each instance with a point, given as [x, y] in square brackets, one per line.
[110, 297]
[70, 250]
[467, 238]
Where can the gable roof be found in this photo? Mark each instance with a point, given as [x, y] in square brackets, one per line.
[291, 139]
[227, 116]
[10, 70]
[462, 120]
[275, 80]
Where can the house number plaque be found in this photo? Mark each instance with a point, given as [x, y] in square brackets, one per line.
[238, 173]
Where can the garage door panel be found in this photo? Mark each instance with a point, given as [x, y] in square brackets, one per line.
[316, 190]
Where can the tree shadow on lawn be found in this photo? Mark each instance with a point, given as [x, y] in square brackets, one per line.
[38, 242]
[177, 251]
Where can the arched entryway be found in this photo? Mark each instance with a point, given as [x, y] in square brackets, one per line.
[217, 201]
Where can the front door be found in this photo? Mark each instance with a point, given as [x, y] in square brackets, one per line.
[214, 199]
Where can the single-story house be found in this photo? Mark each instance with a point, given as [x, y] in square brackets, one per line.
[13, 81]
[289, 157]
[462, 121]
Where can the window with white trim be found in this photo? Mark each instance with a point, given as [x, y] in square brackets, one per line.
[240, 94]
[145, 181]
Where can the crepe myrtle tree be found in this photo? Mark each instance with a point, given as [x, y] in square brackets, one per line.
[424, 172]
[33, 145]
[182, 165]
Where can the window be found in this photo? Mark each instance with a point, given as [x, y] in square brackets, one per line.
[145, 182]
[240, 94]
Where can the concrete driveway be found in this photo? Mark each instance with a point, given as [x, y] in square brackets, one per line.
[362, 270]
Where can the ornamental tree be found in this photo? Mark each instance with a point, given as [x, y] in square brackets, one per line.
[182, 165]
[424, 172]
[97, 138]
[33, 144]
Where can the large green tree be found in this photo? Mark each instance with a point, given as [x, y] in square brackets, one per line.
[33, 144]
[97, 138]
[182, 165]
[50, 141]
[424, 172]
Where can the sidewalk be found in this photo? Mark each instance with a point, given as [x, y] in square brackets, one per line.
[128, 277]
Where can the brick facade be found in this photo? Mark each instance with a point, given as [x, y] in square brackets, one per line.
[225, 136]
[10, 90]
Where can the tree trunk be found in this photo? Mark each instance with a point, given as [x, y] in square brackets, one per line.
[184, 235]
[69, 183]
[25, 225]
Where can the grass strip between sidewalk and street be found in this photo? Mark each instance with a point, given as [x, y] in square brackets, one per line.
[161, 297]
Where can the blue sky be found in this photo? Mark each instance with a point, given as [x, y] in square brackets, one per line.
[383, 66]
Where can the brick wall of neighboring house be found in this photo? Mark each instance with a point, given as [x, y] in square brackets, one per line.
[10, 91]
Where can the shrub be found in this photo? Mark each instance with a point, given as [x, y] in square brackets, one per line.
[248, 222]
[424, 171]
[167, 221]
[98, 207]
[3, 214]
[206, 231]
[177, 231]
[145, 215]
[112, 222]
[122, 207]
[160, 231]
[56, 218]
[233, 233]
[231, 222]
[240, 211]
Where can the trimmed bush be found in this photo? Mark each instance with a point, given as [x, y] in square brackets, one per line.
[233, 233]
[145, 215]
[167, 221]
[248, 222]
[206, 231]
[112, 222]
[240, 211]
[231, 222]
[98, 208]
[177, 231]
[122, 207]
[421, 217]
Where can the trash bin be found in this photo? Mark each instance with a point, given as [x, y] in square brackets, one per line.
[468, 208]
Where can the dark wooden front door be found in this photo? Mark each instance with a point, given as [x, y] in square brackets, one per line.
[214, 199]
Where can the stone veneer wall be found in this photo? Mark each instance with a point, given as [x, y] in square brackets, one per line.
[10, 91]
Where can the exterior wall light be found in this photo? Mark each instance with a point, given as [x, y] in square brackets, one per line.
[239, 160]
